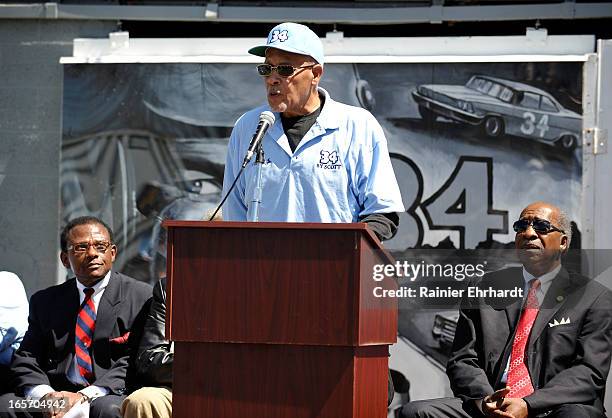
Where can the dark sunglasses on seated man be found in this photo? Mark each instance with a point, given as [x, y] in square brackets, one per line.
[284, 70]
[541, 226]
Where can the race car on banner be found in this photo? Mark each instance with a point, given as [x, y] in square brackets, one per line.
[501, 107]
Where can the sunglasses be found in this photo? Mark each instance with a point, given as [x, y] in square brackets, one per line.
[541, 226]
[284, 70]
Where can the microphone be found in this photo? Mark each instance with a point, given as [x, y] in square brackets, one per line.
[266, 119]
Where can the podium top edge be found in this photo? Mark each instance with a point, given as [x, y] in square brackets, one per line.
[265, 225]
[359, 227]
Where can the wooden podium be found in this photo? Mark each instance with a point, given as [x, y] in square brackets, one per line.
[275, 320]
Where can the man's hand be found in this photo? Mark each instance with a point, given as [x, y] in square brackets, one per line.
[492, 405]
[52, 402]
[497, 406]
[60, 403]
[517, 407]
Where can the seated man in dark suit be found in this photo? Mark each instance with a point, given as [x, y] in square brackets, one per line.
[76, 347]
[547, 354]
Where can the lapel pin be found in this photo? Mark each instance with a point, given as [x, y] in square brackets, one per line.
[560, 298]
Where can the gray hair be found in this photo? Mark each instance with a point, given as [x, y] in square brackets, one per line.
[565, 225]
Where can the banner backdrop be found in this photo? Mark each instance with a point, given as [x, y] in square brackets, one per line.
[471, 144]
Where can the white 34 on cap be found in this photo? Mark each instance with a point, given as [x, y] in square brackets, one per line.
[292, 37]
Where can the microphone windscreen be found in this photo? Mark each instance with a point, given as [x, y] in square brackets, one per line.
[267, 116]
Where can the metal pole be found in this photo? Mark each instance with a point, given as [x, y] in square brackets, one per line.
[253, 212]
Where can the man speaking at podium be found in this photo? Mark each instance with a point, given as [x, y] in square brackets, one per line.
[324, 161]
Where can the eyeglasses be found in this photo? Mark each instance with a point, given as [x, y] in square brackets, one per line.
[541, 226]
[82, 247]
[284, 70]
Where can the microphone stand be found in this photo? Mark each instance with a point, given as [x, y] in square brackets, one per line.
[266, 119]
[253, 211]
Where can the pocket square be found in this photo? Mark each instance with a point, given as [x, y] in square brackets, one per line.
[556, 323]
[120, 340]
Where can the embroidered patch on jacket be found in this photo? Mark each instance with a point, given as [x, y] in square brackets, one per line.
[329, 160]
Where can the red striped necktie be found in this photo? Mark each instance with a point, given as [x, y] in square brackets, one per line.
[85, 325]
[519, 380]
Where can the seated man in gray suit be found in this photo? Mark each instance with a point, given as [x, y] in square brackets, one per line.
[545, 355]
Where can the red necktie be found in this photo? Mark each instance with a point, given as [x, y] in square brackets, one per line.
[85, 325]
[519, 381]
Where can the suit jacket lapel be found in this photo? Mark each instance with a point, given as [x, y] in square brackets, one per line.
[513, 310]
[512, 314]
[72, 305]
[107, 309]
[553, 300]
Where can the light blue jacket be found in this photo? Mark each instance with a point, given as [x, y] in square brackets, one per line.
[340, 171]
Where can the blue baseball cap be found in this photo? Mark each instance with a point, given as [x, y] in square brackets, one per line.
[295, 38]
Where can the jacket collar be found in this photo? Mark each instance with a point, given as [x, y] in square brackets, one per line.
[327, 120]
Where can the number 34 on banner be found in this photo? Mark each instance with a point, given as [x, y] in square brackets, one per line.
[464, 203]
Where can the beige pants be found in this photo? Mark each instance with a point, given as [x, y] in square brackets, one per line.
[148, 402]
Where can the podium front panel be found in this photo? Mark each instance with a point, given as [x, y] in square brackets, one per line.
[279, 381]
[281, 286]
[273, 285]
[277, 320]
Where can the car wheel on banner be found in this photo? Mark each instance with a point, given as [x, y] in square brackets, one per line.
[427, 115]
[567, 142]
[364, 93]
[493, 126]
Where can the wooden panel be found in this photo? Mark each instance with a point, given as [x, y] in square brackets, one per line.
[256, 285]
[277, 284]
[377, 320]
[371, 368]
[273, 381]
[169, 282]
[359, 227]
